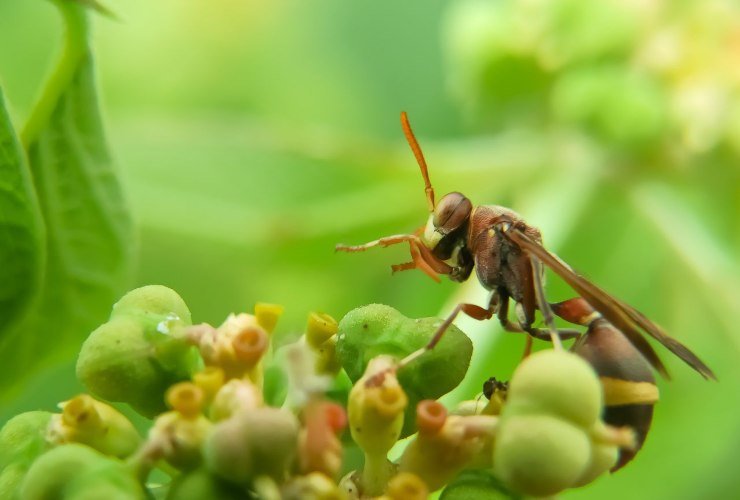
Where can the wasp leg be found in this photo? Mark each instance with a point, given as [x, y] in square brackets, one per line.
[502, 313]
[472, 310]
[542, 304]
[421, 255]
[576, 310]
[386, 241]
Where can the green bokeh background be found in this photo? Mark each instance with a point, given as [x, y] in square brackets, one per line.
[254, 136]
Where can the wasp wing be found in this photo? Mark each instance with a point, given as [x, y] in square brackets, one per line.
[623, 316]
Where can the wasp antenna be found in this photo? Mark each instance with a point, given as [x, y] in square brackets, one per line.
[428, 189]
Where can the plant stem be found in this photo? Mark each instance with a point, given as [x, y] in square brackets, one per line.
[375, 474]
[73, 52]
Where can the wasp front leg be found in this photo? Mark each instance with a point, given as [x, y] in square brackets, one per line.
[422, 257]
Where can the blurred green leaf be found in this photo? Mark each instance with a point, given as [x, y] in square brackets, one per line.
[21, 228]
[89, 236]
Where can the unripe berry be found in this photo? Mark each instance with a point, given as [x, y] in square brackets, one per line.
[137, 355]
[376, 329]
[540, 455]
[558, 383]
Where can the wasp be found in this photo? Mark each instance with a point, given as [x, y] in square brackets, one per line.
[508, 257]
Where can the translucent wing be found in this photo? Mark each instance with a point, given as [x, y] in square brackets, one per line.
[623, 316]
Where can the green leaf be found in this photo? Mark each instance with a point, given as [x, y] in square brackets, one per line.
[21, 228]
[88, 228]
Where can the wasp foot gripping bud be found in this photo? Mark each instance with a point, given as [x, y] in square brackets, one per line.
[373, 330]
[550, 436]
[98, 425]
[445, 444]
[262, 441]
[376, 411]
[74, 471]
[139, 352]
[22, 439]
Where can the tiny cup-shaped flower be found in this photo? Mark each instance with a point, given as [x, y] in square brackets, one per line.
[375, 408]
[319, 448]
[445, 444]
[406, 486]
[327, 362]
[268, 315]
[376, 411]
[320, 328]
[237, 346]
[186, 398]
[209, 380]
[96, 424]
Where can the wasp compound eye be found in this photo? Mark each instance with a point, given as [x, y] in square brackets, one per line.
[452, 211]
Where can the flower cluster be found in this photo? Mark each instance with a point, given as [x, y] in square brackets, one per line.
[218, 430]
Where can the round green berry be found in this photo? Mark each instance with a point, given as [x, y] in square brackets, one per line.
[558, 383]
[540, 455]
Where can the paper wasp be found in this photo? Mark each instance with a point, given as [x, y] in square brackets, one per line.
[508, 256]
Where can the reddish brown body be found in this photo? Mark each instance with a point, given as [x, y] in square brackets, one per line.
[502, 266]
[508, 257]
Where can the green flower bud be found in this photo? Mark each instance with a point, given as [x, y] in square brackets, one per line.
[98, 425]
[138, 354]
[540, 455]
[374, 330]
[75, 471]
[152, 304]
[233, 398]
[603, 458]
[262, 441]
[11, 478]
[557, 383]
[22, 439]
[178, 436]
[478, 484]
[201, 484]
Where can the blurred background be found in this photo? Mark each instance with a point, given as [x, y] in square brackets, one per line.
[254, 136]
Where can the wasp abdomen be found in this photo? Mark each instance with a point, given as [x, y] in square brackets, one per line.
[629, 385]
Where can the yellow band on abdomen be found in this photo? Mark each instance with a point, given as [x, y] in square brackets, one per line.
[619, 392]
